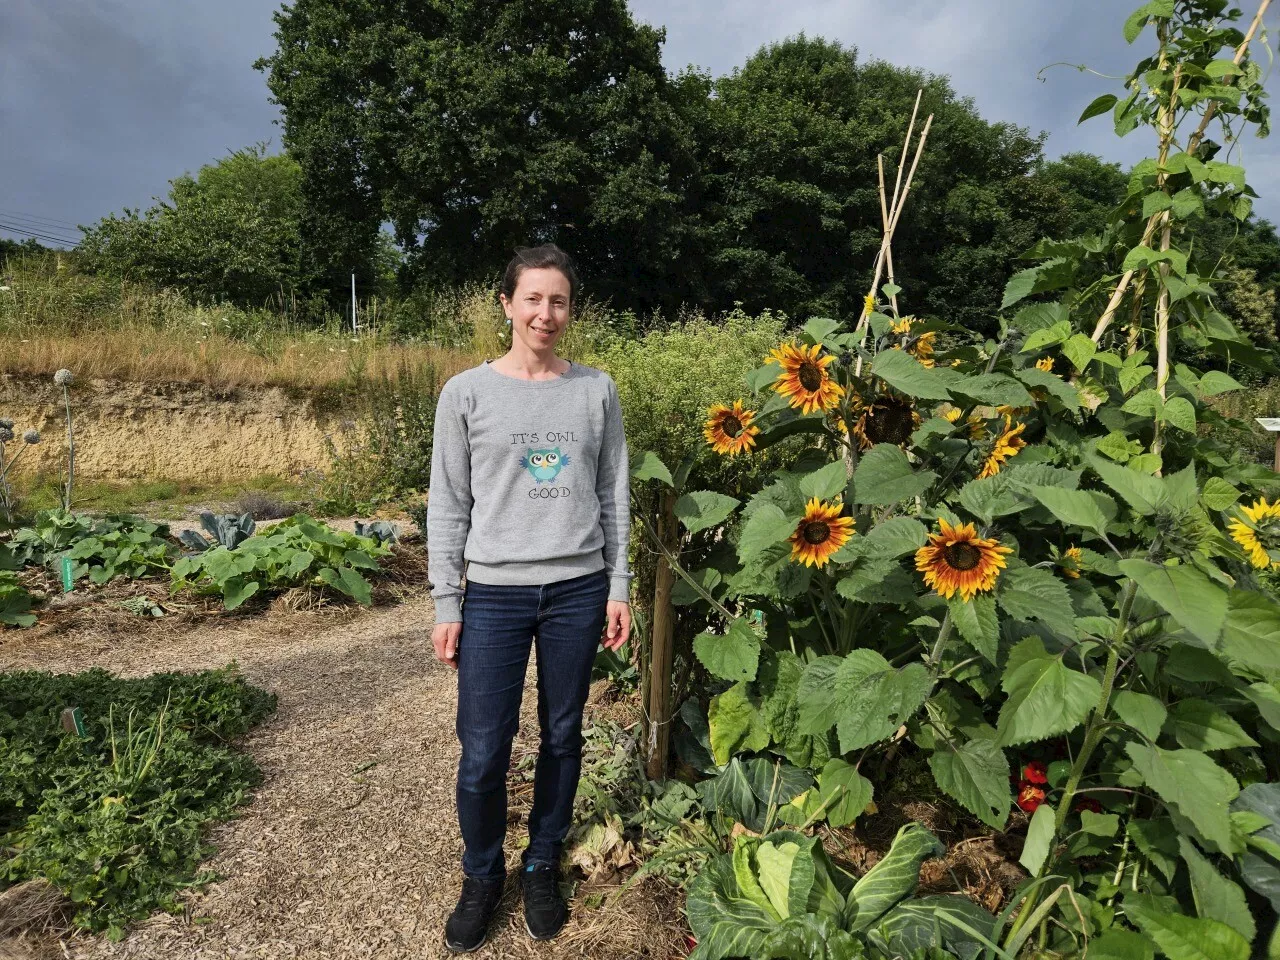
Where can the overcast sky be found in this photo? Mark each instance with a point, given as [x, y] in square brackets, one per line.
[102, 102]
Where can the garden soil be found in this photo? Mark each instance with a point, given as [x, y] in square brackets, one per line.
[350, 848]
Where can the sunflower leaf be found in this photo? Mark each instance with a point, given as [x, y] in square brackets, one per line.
[825, 482]
[766, 526]
[977, 622]
[734, 656]
[1031, 593]
[977, 774]
[1184, 938]
[884, 476]
[906, 374]
[1078, 508]
[646, 465]
[1192, 785]
[703, 509]
[1045, 696]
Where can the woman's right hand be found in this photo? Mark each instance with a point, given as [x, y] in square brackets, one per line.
[445, 638]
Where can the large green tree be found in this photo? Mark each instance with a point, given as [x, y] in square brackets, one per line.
[232, 232]
[477, 126]
[793, 211]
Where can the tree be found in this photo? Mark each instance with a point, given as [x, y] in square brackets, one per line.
[477, 126]
[233, 232]
[792, 179]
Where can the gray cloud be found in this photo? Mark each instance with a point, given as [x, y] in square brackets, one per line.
[102, 102]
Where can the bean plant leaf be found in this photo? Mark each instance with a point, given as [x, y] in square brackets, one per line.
[703, 509]
[1215, 382]
[1045, 696]
[734, 656]
[884, 476]
[1099, 106]
[1184, 938]
[1191, 784]
[976, 773]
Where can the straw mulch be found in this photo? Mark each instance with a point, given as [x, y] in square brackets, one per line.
[350, 848]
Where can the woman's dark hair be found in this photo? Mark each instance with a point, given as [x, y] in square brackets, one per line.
[547, 255]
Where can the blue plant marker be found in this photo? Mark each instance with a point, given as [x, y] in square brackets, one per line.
[66, 575]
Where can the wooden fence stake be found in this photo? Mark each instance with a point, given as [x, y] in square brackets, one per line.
[662, 633]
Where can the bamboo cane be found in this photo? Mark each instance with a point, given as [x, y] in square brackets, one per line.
[1157, 219]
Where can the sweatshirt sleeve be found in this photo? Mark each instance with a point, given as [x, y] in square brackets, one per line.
[613, 489]
[448, 506]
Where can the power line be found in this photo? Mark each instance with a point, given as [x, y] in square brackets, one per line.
[14, 214]
[10, 228]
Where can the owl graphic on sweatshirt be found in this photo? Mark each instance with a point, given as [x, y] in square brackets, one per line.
[544, 464]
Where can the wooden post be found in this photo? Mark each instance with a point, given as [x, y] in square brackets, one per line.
[663, 635]
[1277, 466]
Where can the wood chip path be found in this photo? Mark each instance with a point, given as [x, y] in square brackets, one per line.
[350, 848]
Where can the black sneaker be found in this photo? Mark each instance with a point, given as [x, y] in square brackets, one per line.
[468, 925]
[544, 909]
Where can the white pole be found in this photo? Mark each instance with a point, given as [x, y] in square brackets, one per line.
[355, 325]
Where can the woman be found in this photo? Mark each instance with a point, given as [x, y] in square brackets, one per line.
[529, 485]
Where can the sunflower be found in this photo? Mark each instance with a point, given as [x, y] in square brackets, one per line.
[821, 533]
[804, 379]
[1045, 364]
[1262, 518]
[869, 303]
[1007, 445]
[921, 347]
[958, 559]
[887, 419]
[1071, 561]
[977, 427]
[729, 430]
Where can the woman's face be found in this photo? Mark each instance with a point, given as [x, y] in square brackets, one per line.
[539, 308]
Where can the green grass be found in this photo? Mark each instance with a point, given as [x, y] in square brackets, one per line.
[159, 499]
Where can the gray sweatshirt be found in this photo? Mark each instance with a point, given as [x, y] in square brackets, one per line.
[529, 483]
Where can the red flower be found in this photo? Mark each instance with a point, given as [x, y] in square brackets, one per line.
[1029, 796]
[1035, 772]
[1088, 803]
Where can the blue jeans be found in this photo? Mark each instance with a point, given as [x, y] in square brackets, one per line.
[499, 624]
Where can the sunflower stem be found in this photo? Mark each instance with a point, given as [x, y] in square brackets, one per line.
[944, 633]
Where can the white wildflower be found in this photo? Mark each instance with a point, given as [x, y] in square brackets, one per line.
[63, 378]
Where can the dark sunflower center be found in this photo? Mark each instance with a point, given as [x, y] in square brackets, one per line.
[890, 421]
[731, 426]
[816, 532]
[961, 556]
[810, 376]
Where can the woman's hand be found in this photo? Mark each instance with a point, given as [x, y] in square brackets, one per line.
[445, 638]
[617, 624]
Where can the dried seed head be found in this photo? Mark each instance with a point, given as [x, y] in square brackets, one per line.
[62, 378]
[32, 436]
[6, 423]
[5, 434]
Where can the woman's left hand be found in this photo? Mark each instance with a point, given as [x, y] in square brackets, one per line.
[617, 624]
